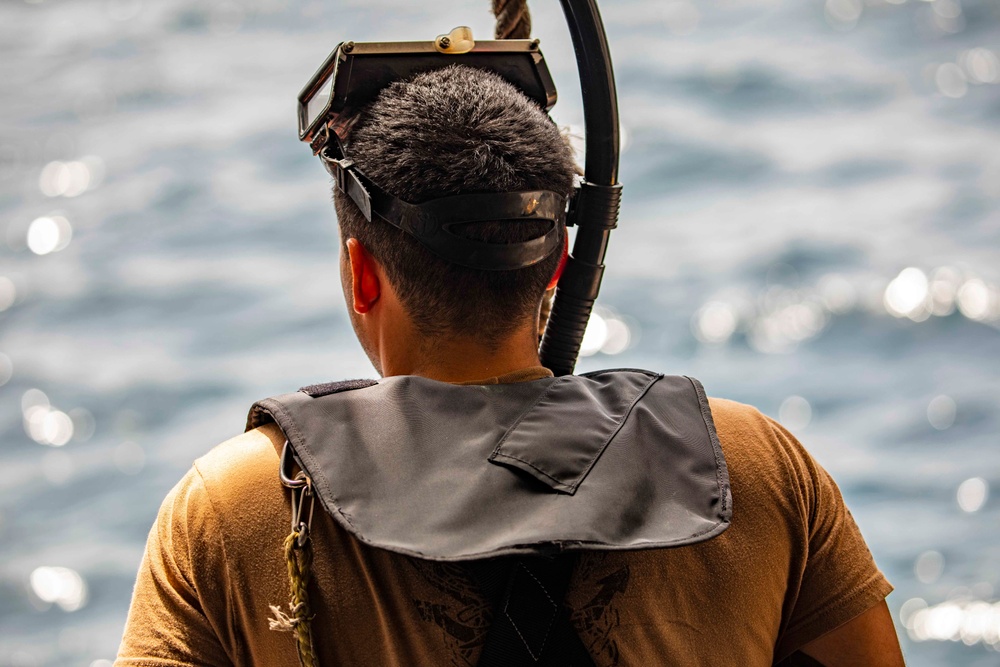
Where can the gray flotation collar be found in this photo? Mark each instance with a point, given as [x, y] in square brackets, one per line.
[612, 460]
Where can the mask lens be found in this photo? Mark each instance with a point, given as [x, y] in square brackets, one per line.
[319, 102]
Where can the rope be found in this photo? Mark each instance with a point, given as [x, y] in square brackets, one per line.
[513, 19]
[298, 622]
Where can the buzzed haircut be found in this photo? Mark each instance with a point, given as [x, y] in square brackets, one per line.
[458, 130]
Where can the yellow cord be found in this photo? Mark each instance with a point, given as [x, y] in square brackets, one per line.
[299, 574]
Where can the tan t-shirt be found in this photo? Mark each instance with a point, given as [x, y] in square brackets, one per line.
[791, 567]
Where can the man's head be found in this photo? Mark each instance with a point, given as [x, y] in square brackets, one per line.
[454, 131]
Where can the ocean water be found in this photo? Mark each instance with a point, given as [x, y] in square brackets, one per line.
[811, 224]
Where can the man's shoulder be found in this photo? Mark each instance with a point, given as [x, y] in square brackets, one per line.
[752, 441]
[244, 465]
[736, 420]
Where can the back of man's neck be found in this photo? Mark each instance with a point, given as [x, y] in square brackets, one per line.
[464, 360]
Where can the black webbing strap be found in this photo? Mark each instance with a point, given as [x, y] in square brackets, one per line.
[530, 626]
[800, 659]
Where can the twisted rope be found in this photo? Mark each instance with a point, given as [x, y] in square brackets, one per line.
[298, 622]
[513, 19]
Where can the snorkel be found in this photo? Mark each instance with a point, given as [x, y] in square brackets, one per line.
[594, 209]
[354, 74]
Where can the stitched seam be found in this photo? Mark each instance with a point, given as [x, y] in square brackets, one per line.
[713, 436]
[523, 415]
[605, 371]
[872, 582]
[274, 408]
[540, 585]
[575, 483]
[548, 630]
[590, 464]
[524, 641]
[295, 436]
[533, 467]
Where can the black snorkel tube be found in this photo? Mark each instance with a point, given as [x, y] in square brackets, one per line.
[594, 210]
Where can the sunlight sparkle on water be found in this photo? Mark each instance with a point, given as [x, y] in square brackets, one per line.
[929, 567]
[941, 412]
[606, 333]
[981, 65]
[8, 293]
[43, 423]
[943, 290]
[906, 295]
[795, 413]
[972, 494]
[975, 300]
[70, 179]
[715, 322]
[967, 620]
[49, 234]
[59, 585]
[837, 293]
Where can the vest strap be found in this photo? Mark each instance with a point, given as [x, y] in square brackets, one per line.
[531, 624]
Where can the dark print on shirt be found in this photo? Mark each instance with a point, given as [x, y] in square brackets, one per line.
[464, 617]
[596, 619]
[461, 613]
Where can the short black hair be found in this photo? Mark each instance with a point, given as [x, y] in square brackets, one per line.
[457, 130]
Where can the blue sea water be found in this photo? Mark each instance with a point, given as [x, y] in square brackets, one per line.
[811, 224]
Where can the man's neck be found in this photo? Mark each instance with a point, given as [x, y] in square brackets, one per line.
[462, 359]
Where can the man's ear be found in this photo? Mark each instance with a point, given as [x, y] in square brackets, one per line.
[365, 286]
[562, 263]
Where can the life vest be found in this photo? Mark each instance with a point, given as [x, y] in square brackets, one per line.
[610, 460]
[614, 460]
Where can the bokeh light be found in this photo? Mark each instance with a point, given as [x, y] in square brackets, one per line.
[71, 179]
[795, 413]
[84, 424]
[972, 494]
[929, 567]
[715, 322]
[981, 65]
[49, 234]
[42, 422]
[906, 295]
[59, 585]
[941, 412]
[975, 300]
[969, 621]
[8, 293]
[607, 333]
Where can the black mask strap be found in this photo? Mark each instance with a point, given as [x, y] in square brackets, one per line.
[432, 222]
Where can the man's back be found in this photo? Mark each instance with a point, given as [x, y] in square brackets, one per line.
[792, 567]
